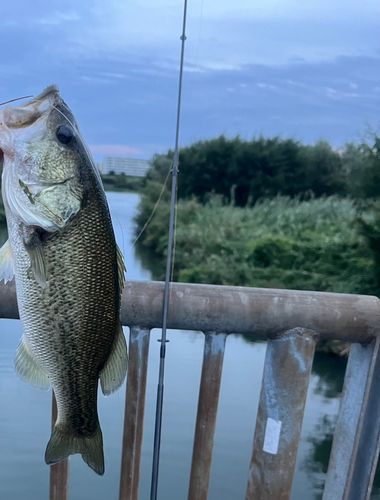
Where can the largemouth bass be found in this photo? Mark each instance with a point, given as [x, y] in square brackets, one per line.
[69, 271]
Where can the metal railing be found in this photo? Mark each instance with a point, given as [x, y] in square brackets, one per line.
[292, 322]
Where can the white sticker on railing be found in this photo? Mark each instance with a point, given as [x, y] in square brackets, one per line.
[272, 436]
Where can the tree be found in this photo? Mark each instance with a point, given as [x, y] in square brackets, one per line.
[243, 171]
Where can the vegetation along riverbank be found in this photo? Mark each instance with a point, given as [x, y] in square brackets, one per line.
[270, 213]
[122, 182]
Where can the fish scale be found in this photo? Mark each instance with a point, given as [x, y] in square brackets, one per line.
[56, 340]
[69, 278]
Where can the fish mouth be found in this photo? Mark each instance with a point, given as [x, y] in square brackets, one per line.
[27, 114]
[49, 95]
[46, 92]
[49, 92]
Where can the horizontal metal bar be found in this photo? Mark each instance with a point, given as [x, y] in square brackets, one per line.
[258, 311]
[254, 311]
[284, 387]
[134, 413]
[206, 416]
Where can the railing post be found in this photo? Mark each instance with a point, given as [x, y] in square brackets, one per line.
[59, 473]
[355, 448]
[206, 416]
[285, 382]
[134, 412]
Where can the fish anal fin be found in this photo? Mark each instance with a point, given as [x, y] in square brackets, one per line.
[113, 374]
[28, 369]
[7, 270]
[62, 444]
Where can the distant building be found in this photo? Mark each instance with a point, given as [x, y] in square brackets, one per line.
[127, 166]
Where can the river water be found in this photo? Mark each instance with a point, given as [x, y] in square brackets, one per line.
[25, 413]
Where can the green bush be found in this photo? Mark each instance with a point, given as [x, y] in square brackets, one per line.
[278, 243]
[244, 171]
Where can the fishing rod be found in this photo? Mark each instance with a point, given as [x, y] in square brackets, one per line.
[160, 388]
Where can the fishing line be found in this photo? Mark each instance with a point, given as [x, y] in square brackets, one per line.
[73, 126]
[79, 136]
[175, 232]
[17, 99]
[154, 208]
[89, 154]
[160, 388]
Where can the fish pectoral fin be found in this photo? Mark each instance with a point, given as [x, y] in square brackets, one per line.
[7, 270]
[35, 251]
[62, 444]
[120, 267]
[113, 374]
[28, 369]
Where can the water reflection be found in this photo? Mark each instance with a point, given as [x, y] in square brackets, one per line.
[316, 461]
[149, 261]
[3, 234]
[330, 370]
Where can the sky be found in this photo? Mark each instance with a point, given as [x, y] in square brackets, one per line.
[306, 70]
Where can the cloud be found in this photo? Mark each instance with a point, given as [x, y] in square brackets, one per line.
[117, 66]
[114, 75]
[332, 93]
[114, 150]
[96, 80]
[262, 85]
[220, 35]
[59, 17]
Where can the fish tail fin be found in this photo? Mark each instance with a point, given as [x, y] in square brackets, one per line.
[62, 444]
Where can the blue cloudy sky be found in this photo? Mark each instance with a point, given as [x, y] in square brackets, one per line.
[301, 69]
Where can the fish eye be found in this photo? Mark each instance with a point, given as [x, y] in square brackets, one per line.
[64, 134]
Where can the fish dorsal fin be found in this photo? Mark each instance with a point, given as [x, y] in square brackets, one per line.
[113, 374]
[120, 267]
[35, 251]
[28, 369]
[7, 270]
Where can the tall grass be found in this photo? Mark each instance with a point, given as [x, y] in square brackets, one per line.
[279, 243]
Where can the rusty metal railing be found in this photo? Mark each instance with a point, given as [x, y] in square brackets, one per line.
[292, 322]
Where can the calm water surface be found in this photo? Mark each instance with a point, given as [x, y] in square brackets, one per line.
[25, 413]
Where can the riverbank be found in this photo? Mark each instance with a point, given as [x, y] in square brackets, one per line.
[279, 243]
[123, 183]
